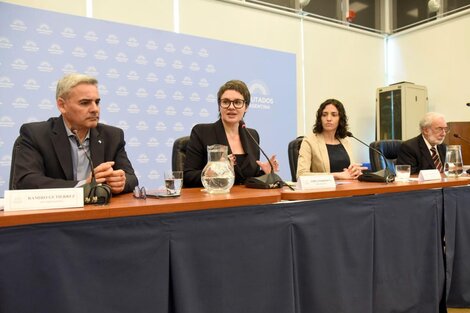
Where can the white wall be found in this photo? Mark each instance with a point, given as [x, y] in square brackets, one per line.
[438, 57]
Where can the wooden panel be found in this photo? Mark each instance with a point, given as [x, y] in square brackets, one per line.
[463, 130]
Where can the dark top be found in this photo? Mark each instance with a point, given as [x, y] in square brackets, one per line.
[44, 157]
[203, 135]
[415, 153]
[339, 158]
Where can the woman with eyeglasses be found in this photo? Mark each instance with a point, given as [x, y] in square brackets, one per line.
[327, 149]
[233, 99]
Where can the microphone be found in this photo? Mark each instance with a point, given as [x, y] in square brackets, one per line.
[461, 138]
[267, 181]
[382, 176]
[468, 104]
[93, 192]
[464, 140]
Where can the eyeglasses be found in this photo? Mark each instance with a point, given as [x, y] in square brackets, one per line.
[442, 129]
[140, 193]
[237, 103]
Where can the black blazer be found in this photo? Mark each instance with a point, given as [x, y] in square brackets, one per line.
[203, 135]
[415, 153]
[44, 157]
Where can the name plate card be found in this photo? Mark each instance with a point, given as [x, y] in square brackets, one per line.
[320, 181]
[425, 175]
[40, 199]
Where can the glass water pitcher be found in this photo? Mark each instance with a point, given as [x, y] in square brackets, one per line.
[218, 175]
[453, 166]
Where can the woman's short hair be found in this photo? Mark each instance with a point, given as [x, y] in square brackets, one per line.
[66, 83]
[343, 119]
[236, 85]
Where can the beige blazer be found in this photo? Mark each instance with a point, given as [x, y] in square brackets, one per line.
[313, 155]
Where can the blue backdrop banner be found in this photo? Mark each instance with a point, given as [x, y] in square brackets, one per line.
[155, 85]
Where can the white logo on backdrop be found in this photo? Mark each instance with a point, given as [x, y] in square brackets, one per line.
[18, 25]
[177, 65]
[113, 108]
[122, 57]
[160, 62]
[44, 29]
[132, 42]
[133, 109]
[203, 53]
[5, 82]
[260, 98]
[133, 142]
[152, 110]
[187, 50]
[112, 39]
[194, 67]
[161, 158]
[160, 127]
[169, 47]
[152, 77]
[79, 52]
[151, 45]
[6, 121]
[30, 46]
[194, 97]
[170, 111]
[46, 104]
[153, 142]
[55, 49]
[160, 94]
[68, 33]
[141, 93]
[91, 36]
[19, 64]
[20, 103]
[5, 43]
[45, 67]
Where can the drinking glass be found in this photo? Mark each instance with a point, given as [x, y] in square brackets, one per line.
[402, 172]
[173, 182]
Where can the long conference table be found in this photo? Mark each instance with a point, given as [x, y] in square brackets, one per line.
[360, 247]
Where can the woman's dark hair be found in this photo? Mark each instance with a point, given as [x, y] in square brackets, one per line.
[343, 119]
[236, 85]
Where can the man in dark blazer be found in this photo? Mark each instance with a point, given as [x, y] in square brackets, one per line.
[417, 151]
[53, 154]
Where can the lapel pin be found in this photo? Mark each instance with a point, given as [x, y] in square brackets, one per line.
[99, 141]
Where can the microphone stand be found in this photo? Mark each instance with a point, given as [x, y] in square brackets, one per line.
[385, 175]
[93, 192]
[267, 181]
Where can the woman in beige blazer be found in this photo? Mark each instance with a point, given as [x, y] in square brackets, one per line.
[327, 150]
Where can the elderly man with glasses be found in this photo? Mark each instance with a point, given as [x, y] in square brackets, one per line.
[426, 151]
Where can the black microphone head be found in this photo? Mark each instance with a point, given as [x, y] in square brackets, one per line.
[468, 104]
[349, 134]
[456, 136]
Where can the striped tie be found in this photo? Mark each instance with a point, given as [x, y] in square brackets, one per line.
[435, 159]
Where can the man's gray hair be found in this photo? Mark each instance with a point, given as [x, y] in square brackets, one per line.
[428, 118]
[66, 83]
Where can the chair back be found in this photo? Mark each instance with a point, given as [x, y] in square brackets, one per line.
[389, 148]
[293, 153]
[179, 153]
[12, 182]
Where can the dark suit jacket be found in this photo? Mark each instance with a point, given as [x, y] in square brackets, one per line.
[415, 153]
[44, 159]
[203, 135]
